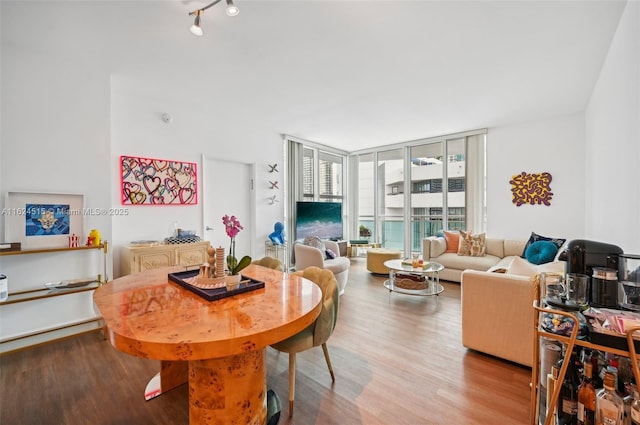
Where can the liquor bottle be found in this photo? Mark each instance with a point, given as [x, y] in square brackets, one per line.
[595, 371]
[609, 405]
[568, 399]
[587, 398]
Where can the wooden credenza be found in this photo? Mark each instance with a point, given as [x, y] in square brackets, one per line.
[134, 259]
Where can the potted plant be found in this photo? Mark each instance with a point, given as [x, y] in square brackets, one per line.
[365, 232]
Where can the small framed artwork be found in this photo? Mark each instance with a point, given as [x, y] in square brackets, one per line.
[531, 189]
[150, 181]
[42, 220]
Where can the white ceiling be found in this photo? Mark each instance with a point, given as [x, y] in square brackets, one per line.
[349, 74]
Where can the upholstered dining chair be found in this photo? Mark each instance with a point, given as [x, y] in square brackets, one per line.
[319, 331]
[270, 262]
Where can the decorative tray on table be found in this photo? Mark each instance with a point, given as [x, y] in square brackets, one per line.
[190, 280]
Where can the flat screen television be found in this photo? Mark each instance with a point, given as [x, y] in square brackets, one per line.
[322, 219]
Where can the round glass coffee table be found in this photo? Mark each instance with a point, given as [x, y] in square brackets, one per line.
[421, 281]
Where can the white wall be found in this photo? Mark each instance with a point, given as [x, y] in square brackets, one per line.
[612, 202]
[555, 146]
[55, 129]
[69, 110]
[138, 130]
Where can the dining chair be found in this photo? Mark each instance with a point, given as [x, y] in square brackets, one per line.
[270, 262]
[319, 331]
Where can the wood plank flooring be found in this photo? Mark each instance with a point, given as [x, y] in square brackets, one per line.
[398, 360]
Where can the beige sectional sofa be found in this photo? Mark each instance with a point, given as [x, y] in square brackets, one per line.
[499, 252]
[497, 315]
[497, 309]
[496, 296]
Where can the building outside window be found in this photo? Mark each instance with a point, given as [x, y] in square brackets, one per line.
[402, 222]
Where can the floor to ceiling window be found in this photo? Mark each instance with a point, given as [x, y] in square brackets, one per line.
[427, 196]
[420, 188]
[366, 197]
[390, 198]
[399, 194]
[314, 173]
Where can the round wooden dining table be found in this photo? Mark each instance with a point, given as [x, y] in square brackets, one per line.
[219, 346]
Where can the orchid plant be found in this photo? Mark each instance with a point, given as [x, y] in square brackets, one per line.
[232, 227]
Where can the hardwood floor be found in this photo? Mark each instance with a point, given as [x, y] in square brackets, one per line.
[398, 360]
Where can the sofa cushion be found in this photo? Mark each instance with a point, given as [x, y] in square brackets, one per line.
[535, 237]
[316, 242]
[471, 245]
[438, 246]
[458, 262]
[521, 267]
[513, 247]
[494, 247]
[541, 252]
[337, 265]
[453, 240]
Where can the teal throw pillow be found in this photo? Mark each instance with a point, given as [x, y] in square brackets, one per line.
[536, 237]
[541, 252]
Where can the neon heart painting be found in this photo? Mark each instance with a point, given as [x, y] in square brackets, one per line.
[152, 181]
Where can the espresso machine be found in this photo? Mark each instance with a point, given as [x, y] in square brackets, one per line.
[600, 261]
[629, 282]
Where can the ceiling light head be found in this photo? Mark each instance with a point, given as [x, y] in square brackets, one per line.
[195, 28]
[232, 10]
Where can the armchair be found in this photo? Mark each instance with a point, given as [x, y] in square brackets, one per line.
[307, 256]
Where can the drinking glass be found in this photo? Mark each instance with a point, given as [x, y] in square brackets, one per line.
[552, 286]
[576, 285]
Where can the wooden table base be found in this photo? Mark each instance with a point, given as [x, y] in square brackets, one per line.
[229, 390]
[172, 374]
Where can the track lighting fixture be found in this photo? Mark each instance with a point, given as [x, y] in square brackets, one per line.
[196, 29]
[232, 10]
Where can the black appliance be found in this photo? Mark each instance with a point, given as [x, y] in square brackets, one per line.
[583, 256]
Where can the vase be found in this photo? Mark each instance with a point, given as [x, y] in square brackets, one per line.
[232, 281]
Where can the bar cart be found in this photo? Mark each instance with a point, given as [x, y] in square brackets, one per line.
[569, 342]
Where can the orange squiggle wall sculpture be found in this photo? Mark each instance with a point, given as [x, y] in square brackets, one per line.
[533, 189]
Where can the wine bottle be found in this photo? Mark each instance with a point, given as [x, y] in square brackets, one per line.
[568, 400]
[587, 398]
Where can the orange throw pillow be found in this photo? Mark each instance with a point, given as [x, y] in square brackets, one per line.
[453, 239]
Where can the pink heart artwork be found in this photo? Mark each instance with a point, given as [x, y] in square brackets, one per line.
[186, 195]
[156, 200]
[157, 181]
[151, 183]
[160, 165]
